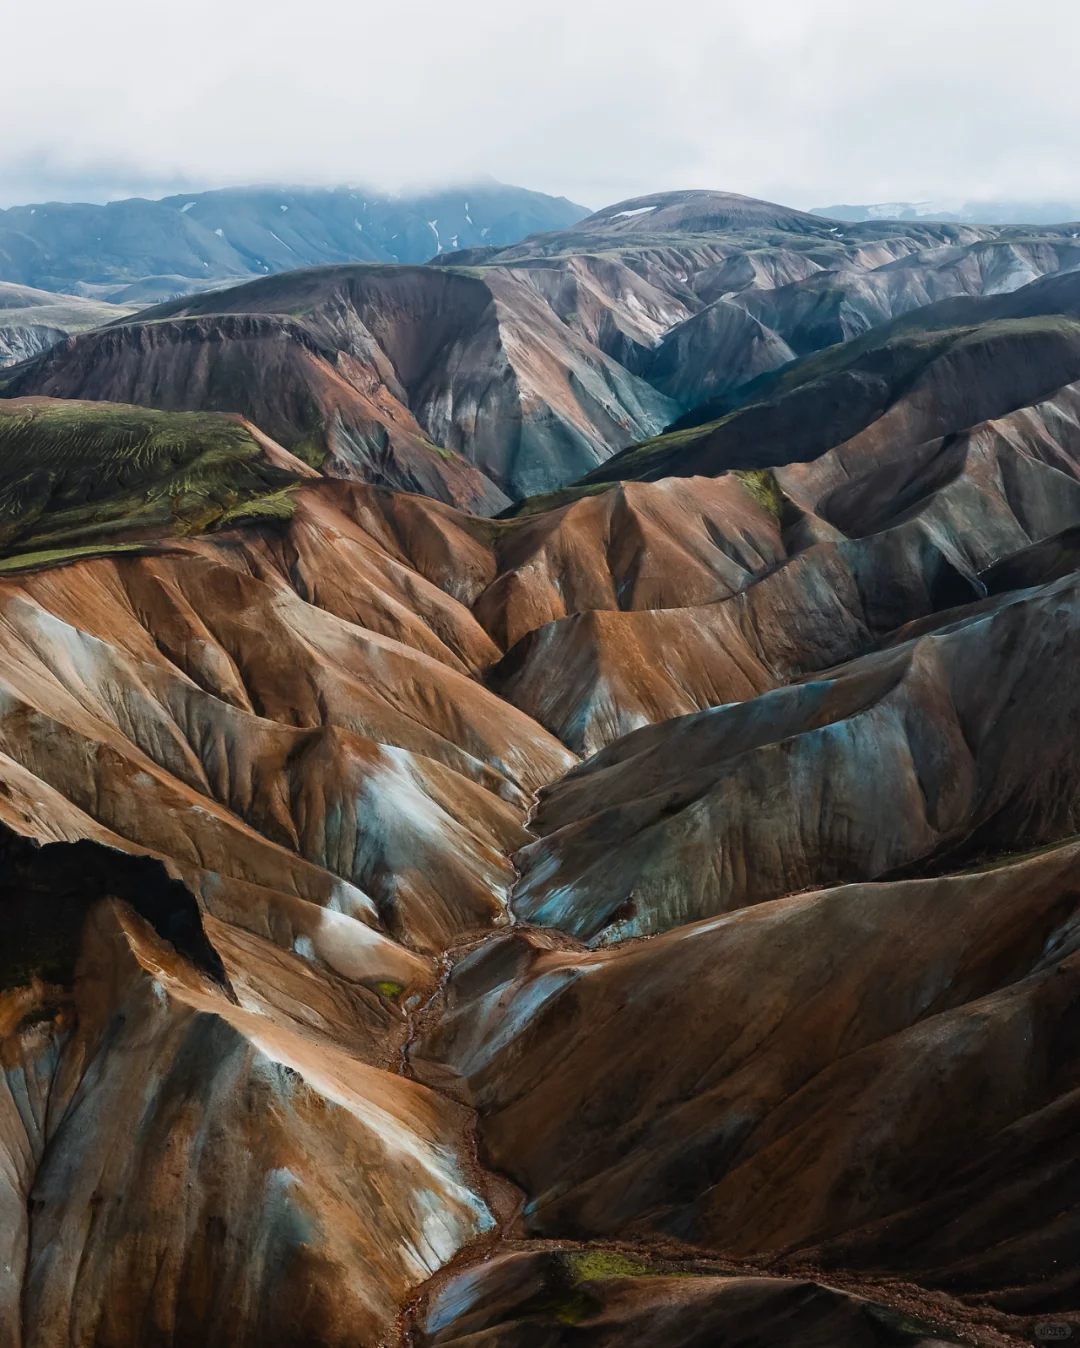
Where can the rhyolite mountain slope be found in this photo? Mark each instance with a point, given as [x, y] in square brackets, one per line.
[150, 250]
[650, 918]
[762, 283]
[501, 372]
[31, 320]
[922, 376]
[465, 386]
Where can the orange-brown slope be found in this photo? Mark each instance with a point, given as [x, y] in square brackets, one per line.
[879, 1076]
[194, 1161]
[342, 800]
[365, 555]
[657, 599]
[641, 546]
[930, 748]
[477, 586]
[1029, 459]
[278, 748]
[343, 409]
[923, 527]
[620, 671]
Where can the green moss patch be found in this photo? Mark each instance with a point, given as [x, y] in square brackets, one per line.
[79, 478]
[438, 449]
[310, 448]
[571, 1296]
[594, 1265]
[761, 486]
[44, 557]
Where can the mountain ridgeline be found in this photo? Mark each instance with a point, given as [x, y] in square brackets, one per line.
[139, 251]
[540, 797]
[494, 374]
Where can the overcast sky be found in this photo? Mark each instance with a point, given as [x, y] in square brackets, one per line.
[809, 102]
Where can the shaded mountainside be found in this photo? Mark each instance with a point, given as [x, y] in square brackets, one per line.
[900, 387]
[144, 251]
[31, 321]
[647, 918]
[505, 372]
[536, 1294]
[392, 375]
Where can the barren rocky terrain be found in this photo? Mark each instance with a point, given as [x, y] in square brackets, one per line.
[32, 321]
[481, 867]
[498, 373]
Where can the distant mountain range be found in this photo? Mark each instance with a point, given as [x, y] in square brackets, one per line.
[141, 251]
[973, 212]
[33, 320]
[495, 373]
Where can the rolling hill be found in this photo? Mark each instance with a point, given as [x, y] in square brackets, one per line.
[466, 386]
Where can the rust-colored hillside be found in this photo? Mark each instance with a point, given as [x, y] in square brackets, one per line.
[648, 918]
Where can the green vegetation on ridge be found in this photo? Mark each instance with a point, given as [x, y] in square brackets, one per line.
[79, 478]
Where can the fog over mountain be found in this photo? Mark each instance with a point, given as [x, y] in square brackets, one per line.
[804, 101]
[539, 725]
[135, 250]
[975, 212]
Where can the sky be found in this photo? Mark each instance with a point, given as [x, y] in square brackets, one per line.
[808, 102]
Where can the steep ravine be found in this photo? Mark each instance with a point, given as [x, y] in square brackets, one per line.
[506, 1288]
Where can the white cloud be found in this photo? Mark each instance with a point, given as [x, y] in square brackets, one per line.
[807, 101]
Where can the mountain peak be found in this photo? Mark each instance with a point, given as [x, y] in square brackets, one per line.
[695, 211]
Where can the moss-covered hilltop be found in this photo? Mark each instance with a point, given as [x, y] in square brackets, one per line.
[79, 477]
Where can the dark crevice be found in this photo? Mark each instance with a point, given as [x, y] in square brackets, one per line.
[46, 891]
